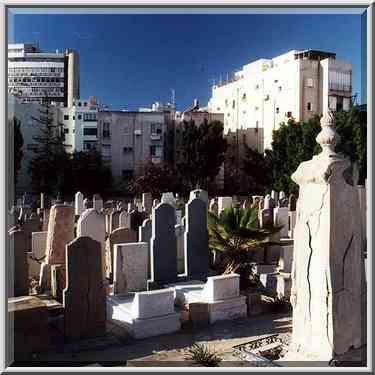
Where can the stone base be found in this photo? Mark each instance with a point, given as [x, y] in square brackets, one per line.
[232, 308]
[119, 313]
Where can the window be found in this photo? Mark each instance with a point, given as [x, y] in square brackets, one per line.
[89, 116]
[332, 103]
[226, 102]
[79, 117]
[289, 114]
[66, 131]
[234, 104]
[79, 104]
[66, 117]
[106, 130]
[89, 145]
[309, 106]
[74, 117]
[277, 109]
[280, 88]
[218, 109]
[156, 151]
[309, 82]
[85, 104]
[128, 149]
[346, 104]
[90, 131]
[256, 126]
[244, 96]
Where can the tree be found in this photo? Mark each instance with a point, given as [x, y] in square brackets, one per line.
[257, 171]
[85, 172]
[155, 179]
[48, 164]
[200, 153]
[15, 127]
[235, 236]
[295, 142]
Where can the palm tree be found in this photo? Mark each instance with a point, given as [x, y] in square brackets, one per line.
[235, 236]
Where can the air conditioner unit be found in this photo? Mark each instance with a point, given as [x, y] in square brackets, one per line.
[138, 132]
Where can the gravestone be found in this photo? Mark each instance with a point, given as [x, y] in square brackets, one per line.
[199, 193]
[87, 203]
[114, 220]
[136, 219]
[19, 284]
[60, 232]
[281, 218]
[147, 202]
[144, 235]
[292, 202]
[78, 203]
[163, 245]
[118, 236]
[213, 207]
[29, 226]
[91, 224]
[168, 198]
[327, 270]
[275, 196]
[124, 220]
[283, 200]
[84, 295]
[130, 267]
[196, 240]
[223, 203]
[97, 202]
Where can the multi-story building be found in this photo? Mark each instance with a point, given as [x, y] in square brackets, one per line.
[128, 140]
[34, 74]
[80, 124]
[268, 92]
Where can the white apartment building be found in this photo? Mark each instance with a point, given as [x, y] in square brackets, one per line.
[128, 140]
[268, 92]
[80, 124]
[34, 74]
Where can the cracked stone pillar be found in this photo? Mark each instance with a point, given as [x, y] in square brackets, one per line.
[328, 268]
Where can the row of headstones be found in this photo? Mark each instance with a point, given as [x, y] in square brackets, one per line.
[275, 209]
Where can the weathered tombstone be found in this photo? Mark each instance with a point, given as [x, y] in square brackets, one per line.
[275, 196]
[114, 220]
[168, 198]
[163, 245]
[178, 216]
[283, 200]
[130, 267]
[91, 224]
[136, 219]
[130, 207]
[281, 218]
[118, 236]
[60, 232]
[180, 234]
[213, 207]
[124, 220]
[84, 295]
[196, 240]
[29, 226]
[78, 203]
[266, 214]
[38, 252]
[144, 235]
[87, 203]
[97, 202]
[327, 270]
[19, 284]
[147, 202]
[223, 203]
[199, 193]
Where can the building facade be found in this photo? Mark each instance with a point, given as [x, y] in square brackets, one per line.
[267, 92]
[129, 140]
[34, 74]
[80, 124]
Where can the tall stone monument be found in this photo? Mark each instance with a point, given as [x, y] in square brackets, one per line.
[328, 268]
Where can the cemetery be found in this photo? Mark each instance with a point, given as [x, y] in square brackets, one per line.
[107, 277]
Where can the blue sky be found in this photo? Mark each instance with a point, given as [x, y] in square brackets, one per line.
[132, 60]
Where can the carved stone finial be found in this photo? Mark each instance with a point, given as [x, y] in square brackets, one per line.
[328, 137]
